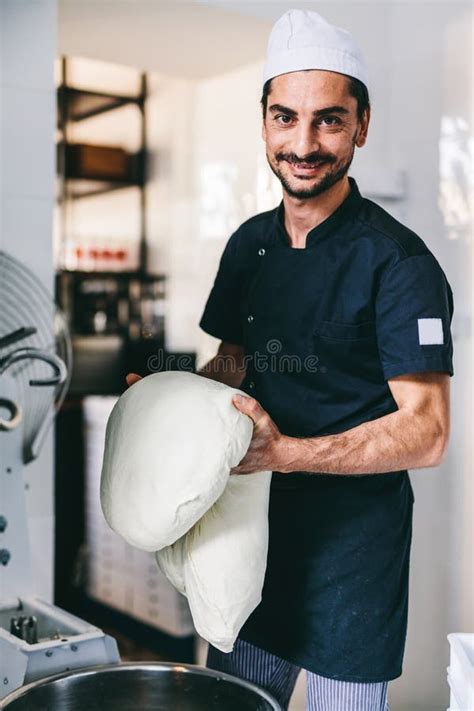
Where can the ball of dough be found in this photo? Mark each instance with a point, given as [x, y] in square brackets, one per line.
[170, 443]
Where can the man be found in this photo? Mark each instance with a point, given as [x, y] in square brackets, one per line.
[353, 314]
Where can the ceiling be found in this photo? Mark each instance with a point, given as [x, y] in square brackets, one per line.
[179, 38]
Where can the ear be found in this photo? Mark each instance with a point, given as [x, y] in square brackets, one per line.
[364, 127]
[264, 131]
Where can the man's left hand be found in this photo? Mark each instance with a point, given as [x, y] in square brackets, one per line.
[267, 447]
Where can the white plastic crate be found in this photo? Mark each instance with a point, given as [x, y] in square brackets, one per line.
[119, 575]
[461, 672]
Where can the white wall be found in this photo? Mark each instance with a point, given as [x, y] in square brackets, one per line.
[213, 176]
[27, 173]
[171, 205]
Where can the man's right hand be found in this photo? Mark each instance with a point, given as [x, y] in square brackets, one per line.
[132, 378]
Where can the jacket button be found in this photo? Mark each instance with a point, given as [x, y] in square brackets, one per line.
[250, 318]
[261, 251]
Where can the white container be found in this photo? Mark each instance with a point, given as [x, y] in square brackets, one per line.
[461, 672]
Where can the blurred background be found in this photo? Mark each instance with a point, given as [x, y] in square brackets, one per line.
[130, 150]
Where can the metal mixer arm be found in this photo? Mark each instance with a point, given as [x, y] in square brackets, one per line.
[59, 368]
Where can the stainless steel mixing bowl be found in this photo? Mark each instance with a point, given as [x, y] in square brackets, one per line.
[141, 686]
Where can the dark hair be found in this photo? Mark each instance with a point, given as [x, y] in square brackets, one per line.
[356, 89]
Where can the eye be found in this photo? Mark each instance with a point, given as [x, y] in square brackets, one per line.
[333, 120]
[283, 118]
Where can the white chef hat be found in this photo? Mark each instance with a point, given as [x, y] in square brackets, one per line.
[302, 39]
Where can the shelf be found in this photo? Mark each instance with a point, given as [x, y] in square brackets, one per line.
[82, 188]
[94, 170]
[88, 170]
[81, 104]
[107, 274]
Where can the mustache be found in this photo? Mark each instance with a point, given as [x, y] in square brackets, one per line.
[311, 158]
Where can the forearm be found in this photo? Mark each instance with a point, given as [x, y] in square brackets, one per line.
[224, 369]
[401, 440]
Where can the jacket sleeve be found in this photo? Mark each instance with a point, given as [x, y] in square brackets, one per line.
[414, 310]
[221, 317]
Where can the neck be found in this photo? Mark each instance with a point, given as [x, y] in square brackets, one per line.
[302, 215]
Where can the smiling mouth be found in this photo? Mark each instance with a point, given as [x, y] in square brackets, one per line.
[307, 167]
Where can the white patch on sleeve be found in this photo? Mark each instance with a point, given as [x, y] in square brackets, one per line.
[430, 331]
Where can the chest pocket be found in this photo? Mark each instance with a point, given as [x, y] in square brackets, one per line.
[346, 348]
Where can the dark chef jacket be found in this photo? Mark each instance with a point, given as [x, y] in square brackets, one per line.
[325, 328]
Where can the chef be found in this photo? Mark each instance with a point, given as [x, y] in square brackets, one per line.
[337, 319]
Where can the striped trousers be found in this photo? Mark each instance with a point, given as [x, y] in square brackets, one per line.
[279, 677]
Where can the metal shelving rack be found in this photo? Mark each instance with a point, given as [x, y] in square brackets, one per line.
[75, 183]
[77, 105]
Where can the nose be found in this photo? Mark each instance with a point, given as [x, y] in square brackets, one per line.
[306, 139]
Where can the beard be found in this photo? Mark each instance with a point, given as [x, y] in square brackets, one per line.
[337, 170]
